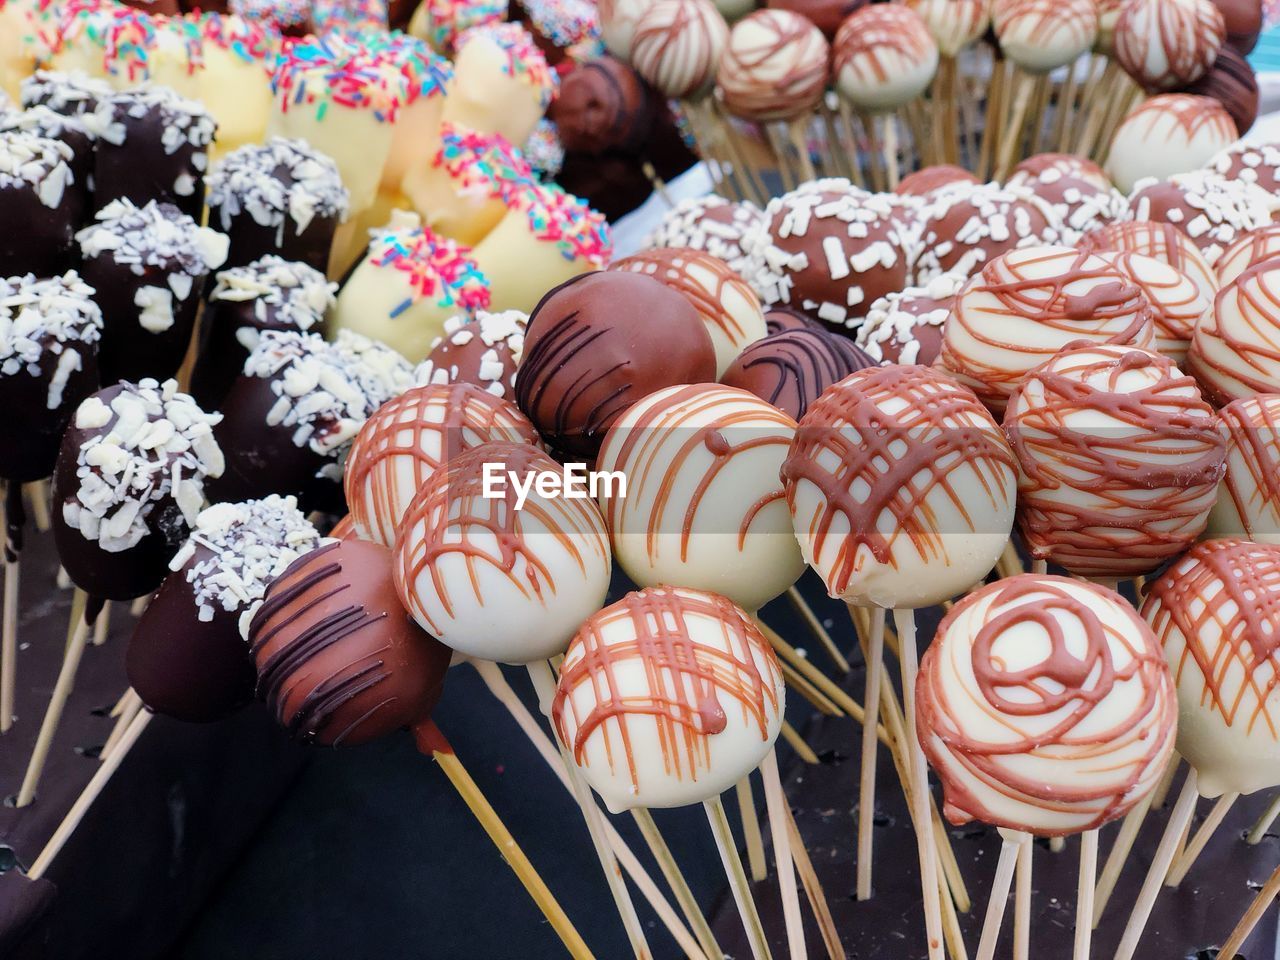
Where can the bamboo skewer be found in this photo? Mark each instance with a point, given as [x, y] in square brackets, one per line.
[1181, 866]
[859, 178]
[12, 522]
[1084, 894]
[867, 782]
[776, 803]
[1266, 896]
[815, 625]
[1010, 845]
[737, 878]
[1022, 900]
[102, 624]
[1259, 829]
[802, 749]
[1119, 855]
[130, 706]
[38, 493]
[751, 829]
[813, 891]
[801, 685]
[1161, 793]
[993, 122]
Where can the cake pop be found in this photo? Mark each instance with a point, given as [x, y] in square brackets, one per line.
[410, 438]
[1257, 164]
[543, 151]
[883, 57]
[408, 283]
[603, 105]
[966, 226]
[38, 192]
[1119, 458]
[1026, 305]
[1168, 134]
[1249, 499]
[1244, 22]
[726, 304]
[441, 22]
[268, 294]
[780, 317]
[774, 66]
[148, 266]
[1231, 82]
[1252, 248]
[281, 197]
[1163, 242]
[906, 327]
[1042, 35]
[712, 224]
[559, 26]
[618, 19]
[291, 18]
[1165, 44]
[501, 82]
[790, 369]
[927, 181]
[1076, 205]
[1235, 350]
[677, 46]
[1177, 303]
[187, 658]
[953, 24]
[1034, 168]
[484, 352]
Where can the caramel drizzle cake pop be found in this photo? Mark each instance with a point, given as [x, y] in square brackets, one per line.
[1235, 351]
[1249, 499]
[1177, 303]
[901, 488]
[411, 437]
[1042, 35]
[484, 352]
[711, 224]
[1160, 241]
[1119, 456]
[1165, 44]
[883, 57]
[906, 327]
[677, 46]
[774, 66]
[1168, 134]
[1251, 249]
[1026, 305]
[38, 191]
[668, 697]
[466, 559]
[953, 24]
[618, 19]
[968, 225]
[1045, 706]
[726, 304]
[791, 368]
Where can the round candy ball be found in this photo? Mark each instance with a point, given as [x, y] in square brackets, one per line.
[826, 15]
[906, 327]
[1166, 44]
[1068, 165]
[883, 57]
[953, 24]
[1249, 499]
[927, 181]
[1235, 351]
[791, 368]
[1232, 82]
[677, 45]
[1168, 134]
[774, 66]
[1042, 35]
[711, 224]
[483, 352]
[1161, 241]
[1252, 248]
[1257, 164]
[968, 225]
[1177, 303]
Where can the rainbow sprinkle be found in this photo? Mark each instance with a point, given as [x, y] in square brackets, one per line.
[543, 149]
[448, 19]
[564, 22]
[524, 61]
[561, 218]
[317, 72]
[426, 74]
[481, 163]
[436, 268]
[349, 16]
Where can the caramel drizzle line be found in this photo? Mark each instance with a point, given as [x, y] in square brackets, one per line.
[1257, 343]
[869, 46]
[940, 422]
[1173, 303]
[1186, 45]
[1018, 602]
[452, 505]
[680, 50]
[1245, 610]
[671, 267]
[1161, 241]
[1191, 115]
[284, 671]
[1048, 17]
[684, 678]
[806, 73]
[1253, 432]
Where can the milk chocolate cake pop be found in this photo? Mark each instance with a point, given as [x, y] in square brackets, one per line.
[148, 266]
[791, 368]
[953, 24]
[1034, 167]
[826, 15]
[1077, 205]
[906, 327]
[1025, 306]
[883, 57]
[1042, 35]
[927, 181]
[501, 82]
[1163, 241]
[712, 224]
[339, 660]
[603, 105]
[1045, 706]
[668, 697]
[1177, 303]
[1232, 82]
[677, 46]
[187, 656]
[901, 488]
[1215, 612]
[1249, 499]
[1235, 351]
[483, 351]
[38, 193]
[1119, 458]
[780, 317]
[495, 576]
[129, 482]
[281, 198]
[703, 506]
[726, 304]
[1165, 44]
[49, 334]
[1244, 22]
[966, 226]
[408, 439]
[1252, 248]
[268, 294]
[1257, 164]
[774, 66]
[1168, 134]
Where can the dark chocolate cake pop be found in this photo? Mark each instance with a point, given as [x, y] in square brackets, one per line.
[603, 105]
[339, 660]
[599, 343]
[268, 294]
[49, 333]
[791, 369]
[780, 317]
[40, 205]
[280, 197]
[1231, 81]
[148, 265]
[129, 482]
[484, 352]
[187, 657]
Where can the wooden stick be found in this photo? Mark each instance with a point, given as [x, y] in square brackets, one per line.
[659, 185]
[859, 178]
[1057, 844]
[802, 749]
[867, 784]
[1000, 886]
[125, 699]
[815, 625]
[1098, 103]
[1118, 857]
[545, 684]
[947, 106]
[1259, 829]
[90, 793]
[133, 705]
[813, 890]
[139, 606]
[875, 151]
[1178, 872]
[1011, 137]
[1039, 108]
[1022, 900]
[1084, 894]
[1266, 896]
[890, 140]
[797, 682]
[1179, 819]
[102, 624]
[796, 134]
[1161, 792]
[9, 627]
[751, 830]
[737, 878]
[993, 124]
[433, 743]
[38, 493]
[776, 803]
[780, 154]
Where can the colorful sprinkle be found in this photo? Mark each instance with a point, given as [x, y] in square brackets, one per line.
[342, 70]
[481, 162]
[436, 268]
[448, 19]
[524, 60]
[561, 218]
[564, 22]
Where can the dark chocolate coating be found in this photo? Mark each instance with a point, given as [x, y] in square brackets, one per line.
[826, 15]
[603, 105]
[613, 184]
[1244, 23]
[31, 433]
[1232, 83]
[34, 238]
[339, 660]
[780, 317]
[599, 343]
[68, 129]
[791, 369]
[141, 169]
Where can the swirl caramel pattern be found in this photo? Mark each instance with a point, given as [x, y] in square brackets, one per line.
[1249, 498]
[1177, 302]
[1250, 250]
[953, 24]
[1165, 44]
[1040, 35]
[883, 55]
[1161, 241]
[1235, 352]
[774, 67]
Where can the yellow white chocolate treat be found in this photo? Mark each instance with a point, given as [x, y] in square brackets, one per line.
[415, 132]
[501, 82]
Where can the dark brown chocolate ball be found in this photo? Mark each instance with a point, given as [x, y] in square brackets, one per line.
[338, 658]
[603, 105]
[826, 15]
[791, 369]
[1231, 81]
[779, 318]
[484, 352]
[927, 181]
[1244, 23]
[599, 343]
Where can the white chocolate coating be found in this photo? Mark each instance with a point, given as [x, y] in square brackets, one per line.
[953, 24]
[883, 57]
[774, 66]
[1165, 44]
[1249, 498]
[1164, 242]
[1177, 302]
[501, 82]
[677, 46]
[1235, 352]
[1168, 134]
[1251, 249]
[618, 20]
[1042, 35]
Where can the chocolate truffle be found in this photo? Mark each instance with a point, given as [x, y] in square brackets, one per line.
[148, 265]
[1077, 205]
[49, 334]
[1168, 134]
[187, 658]
[774, 66]
[129, 482]
[826, 15]
[40, 203]
[339, 660]
[281, 197]
[779, 317]
[790, 369]
[1210, 209]
[928, 180]
[152, 145]
[1243, 20]
[906, 327]
[599, 343]
[484, 352]
[268, 294]
[603, 105]
[1231, 81]
[1066, 164]
[967, 226]
[712, 224]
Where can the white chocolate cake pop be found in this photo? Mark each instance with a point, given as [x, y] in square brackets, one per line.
[501, 82]
[1168, 134]
[1251, 249]
[1249, 498]
[1045, 706]
[1028, 304]
[1215, 612]
[1119, 460]
[1177, 303]
[953, 24]
[1042, 35]
[774, 66]
[704, 507]
[711, 224]
[883, 57]
[677, 45]
[618, 19]
[667, 698]
[901, 488]
[501, 575]
[1166, 44]
[1235, 352]
[1162, 241]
